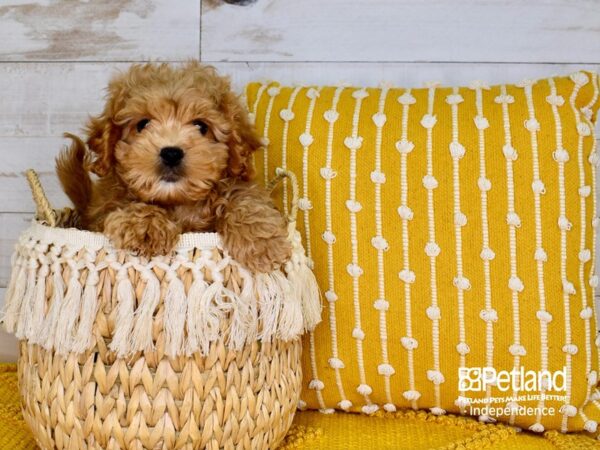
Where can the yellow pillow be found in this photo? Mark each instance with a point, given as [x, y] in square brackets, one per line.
[451, 230]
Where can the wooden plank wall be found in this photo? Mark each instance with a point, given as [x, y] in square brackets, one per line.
[57, 55]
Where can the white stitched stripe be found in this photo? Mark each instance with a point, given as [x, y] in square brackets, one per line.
[429, 123]
[591, 425]
[510, 154]
[405, 148]
[538, 190]
[582, 248]
[287, 116]
[588, 108]
[587, 421]
[315, 372]
[305, 194]
[327, 173]
[252, 114]
[379, 120]
[460, 281]
[596, 84]
[353, 143]
[273, 91]
[560, 158]
[595, 206]
[486, 253]
[259, 94]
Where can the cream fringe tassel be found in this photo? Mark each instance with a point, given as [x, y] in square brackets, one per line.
[303, 283]
[41, 309]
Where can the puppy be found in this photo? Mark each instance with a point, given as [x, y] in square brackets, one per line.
[172, 152]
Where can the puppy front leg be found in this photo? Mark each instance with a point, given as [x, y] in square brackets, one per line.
[253, 231]
[143, 229]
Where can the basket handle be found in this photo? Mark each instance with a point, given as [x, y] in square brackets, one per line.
[44, 210]
[280, 174]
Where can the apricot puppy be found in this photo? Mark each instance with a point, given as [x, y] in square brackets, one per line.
[172, 152]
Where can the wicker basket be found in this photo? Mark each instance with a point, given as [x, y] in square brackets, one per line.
[188, 351]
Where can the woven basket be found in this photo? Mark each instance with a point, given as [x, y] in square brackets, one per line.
[187, 351]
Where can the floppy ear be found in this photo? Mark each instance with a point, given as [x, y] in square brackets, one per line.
[102, 131]
[243, 140]
[103, 135]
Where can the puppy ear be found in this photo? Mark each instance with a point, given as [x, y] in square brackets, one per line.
[243, 140]
[103, 135]
[102, 131]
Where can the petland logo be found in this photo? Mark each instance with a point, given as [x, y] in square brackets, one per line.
[477, 379]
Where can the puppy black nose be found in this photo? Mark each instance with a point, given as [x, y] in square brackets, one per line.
[171, 156]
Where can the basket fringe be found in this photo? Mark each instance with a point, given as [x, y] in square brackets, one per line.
[304, 284]
[23, 327]
[15, 293]
[124, 319]
[231, 304]
[39, 302]
[244, 322]
[68, 314]
[270, 291]
[291, 323]
[89, 309]
[46, 336]
[141, 339]
[193, 329]
[209, 317]
[175, 314]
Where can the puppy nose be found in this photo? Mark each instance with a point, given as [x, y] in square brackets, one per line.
[171, 156]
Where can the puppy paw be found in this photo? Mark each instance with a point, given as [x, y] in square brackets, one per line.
[254, 232]
[260, 255]
[142, 229]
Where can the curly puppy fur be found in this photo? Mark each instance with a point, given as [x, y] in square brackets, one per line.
[172, 153]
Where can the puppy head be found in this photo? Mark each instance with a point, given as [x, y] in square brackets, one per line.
[171, 133]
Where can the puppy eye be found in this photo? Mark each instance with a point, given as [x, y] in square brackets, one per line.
[142, 124]
[202, 127]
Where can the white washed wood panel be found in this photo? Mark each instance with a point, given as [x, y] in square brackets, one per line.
[36, 153]
[121, 30]
[39, 99]
[402, 30]
[11, 225]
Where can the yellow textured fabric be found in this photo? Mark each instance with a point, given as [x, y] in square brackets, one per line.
[418, 430]
[449, 228]
[315, 431]
[14, 433]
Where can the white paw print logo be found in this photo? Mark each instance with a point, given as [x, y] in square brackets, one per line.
[469, 379]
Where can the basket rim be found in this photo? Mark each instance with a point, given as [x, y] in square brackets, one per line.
[75, 237]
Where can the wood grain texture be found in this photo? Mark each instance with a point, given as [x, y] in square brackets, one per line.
[48, 99]
[116, 30]
[29, 152]
[11, 225]
[403, 30]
